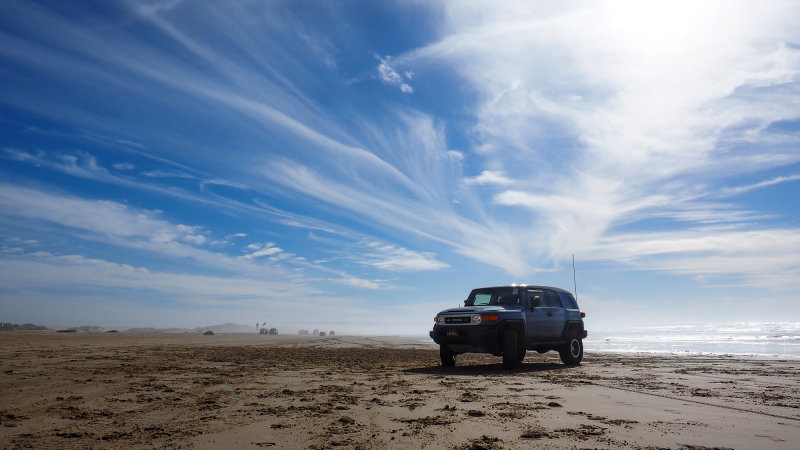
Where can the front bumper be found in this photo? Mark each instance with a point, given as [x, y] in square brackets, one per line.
[468, 338]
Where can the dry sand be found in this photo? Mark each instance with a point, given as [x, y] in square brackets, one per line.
[123, 390]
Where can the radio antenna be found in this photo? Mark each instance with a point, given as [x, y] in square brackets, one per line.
[574, 278]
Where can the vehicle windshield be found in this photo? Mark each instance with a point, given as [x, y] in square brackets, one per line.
[493, 296]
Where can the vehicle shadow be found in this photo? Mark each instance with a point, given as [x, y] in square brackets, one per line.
[487, 369]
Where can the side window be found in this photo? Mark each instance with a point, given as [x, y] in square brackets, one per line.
[552, 299]
[508, 299]
[569, 301]
[533, 294]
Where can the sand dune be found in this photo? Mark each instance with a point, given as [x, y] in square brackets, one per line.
[247, 391]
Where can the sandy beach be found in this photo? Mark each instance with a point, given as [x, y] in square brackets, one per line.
[126, 390]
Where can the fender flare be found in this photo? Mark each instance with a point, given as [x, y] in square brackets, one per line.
[573, 328]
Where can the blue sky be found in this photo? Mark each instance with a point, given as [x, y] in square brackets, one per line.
[359, 166]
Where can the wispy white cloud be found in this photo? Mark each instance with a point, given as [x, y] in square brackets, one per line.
[321, 47]
[220, 182]
[84, 165]
[22, 241]
[390, 76]
[266, 250]
[398, 259]
[642, 121]
[356, 282]
[123, 166]
[31, 279]
[191, 234]
[731, 191]
[47, 271]
[489, 177]
[455, 154]
[489, 242]
[768, 259]
[705, 213]
[586, 117]
[158, 173]
[97, 216]
[152, 7]
[79, 163]
[121, 225]
[631, 94]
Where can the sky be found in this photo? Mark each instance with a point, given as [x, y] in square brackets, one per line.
[360, 165]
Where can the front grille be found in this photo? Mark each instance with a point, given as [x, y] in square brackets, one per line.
[454, 320]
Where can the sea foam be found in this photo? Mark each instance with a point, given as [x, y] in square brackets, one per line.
[769, 339]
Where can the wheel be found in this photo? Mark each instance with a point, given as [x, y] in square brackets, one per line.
[511, 350]
[572, 352]
[448, 357]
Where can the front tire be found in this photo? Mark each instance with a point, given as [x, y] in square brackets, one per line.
[572, 352]
[511, 350]
[448, 357]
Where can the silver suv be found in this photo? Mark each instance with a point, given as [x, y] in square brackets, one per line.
[508, 320]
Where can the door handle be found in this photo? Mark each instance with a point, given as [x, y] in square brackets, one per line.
[549, 314]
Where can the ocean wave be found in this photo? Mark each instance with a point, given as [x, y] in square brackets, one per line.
[780, 339]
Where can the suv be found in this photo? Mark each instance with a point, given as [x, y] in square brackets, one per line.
[508, 320]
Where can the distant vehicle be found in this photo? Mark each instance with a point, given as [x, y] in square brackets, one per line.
[508, 320]
[331, 333]
[302, 332]
[273, 331]
[322, 333]
[316, 332]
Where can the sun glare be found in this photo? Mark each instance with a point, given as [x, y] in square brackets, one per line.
[657, 27]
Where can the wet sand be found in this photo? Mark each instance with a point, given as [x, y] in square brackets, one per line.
[125, 390]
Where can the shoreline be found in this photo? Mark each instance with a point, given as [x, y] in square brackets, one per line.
[593, 344]
[249, 391]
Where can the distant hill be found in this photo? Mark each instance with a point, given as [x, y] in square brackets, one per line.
[228, 328]
[223, 328]
[157, 330]
[93, 328]
[5, 326]
[88, 328]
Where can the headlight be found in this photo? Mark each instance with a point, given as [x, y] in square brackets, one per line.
[476, 318]
[440, 320]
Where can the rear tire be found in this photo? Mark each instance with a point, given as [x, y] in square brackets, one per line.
[447, 356]
[511, 350]
[572, 352]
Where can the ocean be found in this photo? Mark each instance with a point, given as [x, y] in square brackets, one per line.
[764, 339]
[779, 340]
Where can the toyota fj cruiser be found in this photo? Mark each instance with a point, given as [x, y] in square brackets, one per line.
[508, 320]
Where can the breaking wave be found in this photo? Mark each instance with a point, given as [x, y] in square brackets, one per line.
[769, 339]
